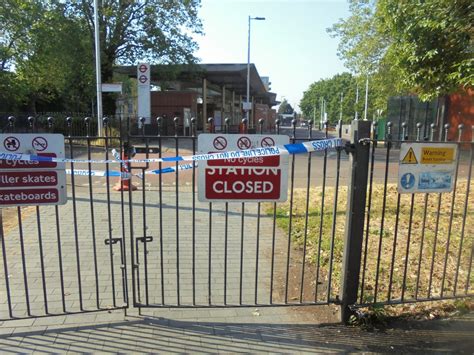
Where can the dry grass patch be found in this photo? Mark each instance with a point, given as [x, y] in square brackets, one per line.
[10, 216]
[421, 250]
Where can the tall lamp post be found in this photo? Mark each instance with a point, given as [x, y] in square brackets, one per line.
[98, 72]
[247, 106]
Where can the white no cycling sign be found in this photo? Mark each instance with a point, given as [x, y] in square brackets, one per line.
[32, 183]
[253, 179]
[427, 167]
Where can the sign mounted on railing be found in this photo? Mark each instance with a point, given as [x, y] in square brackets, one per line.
[255, 179]
[427, 167]
[24, 183]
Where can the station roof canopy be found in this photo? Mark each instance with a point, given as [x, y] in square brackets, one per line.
[233, 76]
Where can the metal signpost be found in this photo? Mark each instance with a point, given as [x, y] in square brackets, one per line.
[143, 87]
[256, 179]
[427, 167]
[24, 183]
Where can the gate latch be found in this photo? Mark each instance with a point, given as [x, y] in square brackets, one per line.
[146, 239]
[112, 241]
[349, 148]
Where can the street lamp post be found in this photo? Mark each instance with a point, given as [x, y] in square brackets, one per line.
[98, 71]
[247, 108]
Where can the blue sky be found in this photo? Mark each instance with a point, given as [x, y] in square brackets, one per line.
[291, 46]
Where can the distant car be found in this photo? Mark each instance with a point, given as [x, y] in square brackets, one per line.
[304, 124]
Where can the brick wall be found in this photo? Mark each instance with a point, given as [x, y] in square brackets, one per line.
[460, 109]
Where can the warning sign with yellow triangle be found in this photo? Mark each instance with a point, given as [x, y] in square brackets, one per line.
[410, 157]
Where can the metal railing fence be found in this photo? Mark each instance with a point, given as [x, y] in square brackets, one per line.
[345, 235]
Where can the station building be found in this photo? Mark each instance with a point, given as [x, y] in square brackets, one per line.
[203, 91]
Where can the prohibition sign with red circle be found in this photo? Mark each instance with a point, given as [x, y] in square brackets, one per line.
[143, 68]
[220, 143]
[39, 144]
[268, 142]
[11, 144]
[244, 143]
[143, 79]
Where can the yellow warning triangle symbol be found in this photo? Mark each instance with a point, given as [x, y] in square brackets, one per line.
[410, 157]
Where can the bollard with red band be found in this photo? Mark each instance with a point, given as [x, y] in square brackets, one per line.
[210, 125]
[243, 126]
[125, 182]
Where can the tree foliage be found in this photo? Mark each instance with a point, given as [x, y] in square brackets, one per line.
[330, 90]
[422, 46]
[157, 31]
[285, 108]
[42, 53]
[47, 47]
[432, 43]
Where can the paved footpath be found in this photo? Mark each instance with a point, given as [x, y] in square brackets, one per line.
[224, 330]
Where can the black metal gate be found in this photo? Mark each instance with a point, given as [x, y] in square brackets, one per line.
[345, 235]
[417, 247]
[71, 258]
[191, 254]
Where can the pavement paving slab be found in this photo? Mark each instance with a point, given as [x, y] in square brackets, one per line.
[115, 333]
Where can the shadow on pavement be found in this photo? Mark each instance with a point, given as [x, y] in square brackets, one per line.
[152, 334]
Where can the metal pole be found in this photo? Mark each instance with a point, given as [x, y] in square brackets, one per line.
[324, 110]
[355, 217]
[204, 104]
[248, 75]
[340, 109]
[98, 70]
[247, 113]
[322, 114]
[366, 97]
[356, 117]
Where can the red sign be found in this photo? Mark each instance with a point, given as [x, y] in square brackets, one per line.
[28, 179]
[143, 68]
[242, 177]
[29, 164]
[28, 196]
[273, 160]
[32, 182]
[239, 183]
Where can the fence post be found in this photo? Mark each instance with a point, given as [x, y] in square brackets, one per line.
[355, 216]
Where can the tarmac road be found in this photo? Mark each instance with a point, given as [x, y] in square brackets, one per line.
[316, 173]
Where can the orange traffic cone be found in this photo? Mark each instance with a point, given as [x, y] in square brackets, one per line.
[125, 181]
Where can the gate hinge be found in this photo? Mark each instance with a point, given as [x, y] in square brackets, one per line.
[365, 141]
[349, 148]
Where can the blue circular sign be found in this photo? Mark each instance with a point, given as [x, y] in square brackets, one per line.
[407, 181]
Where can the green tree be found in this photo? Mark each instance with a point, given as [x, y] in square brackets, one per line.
[47, 47]
[330, 90]
[361, 44]
[431, 43]
[44, 56]
[421, 46]
[158, 31]
[285, 108]
[59, 69]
